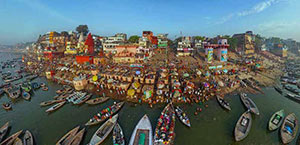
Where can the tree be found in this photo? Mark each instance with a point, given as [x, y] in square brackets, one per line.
[233, 42]
[82, 28]
[258, 42]
[199, 38]
[134, 39]
[64, 33]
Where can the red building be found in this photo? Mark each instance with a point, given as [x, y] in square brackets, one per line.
[89, 42]
[84, 59]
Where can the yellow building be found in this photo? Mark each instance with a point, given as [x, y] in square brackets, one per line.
[71, 48]
[124, 57]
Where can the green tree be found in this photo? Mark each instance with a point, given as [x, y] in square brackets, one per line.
[199, 38]
[82, 28]
[233, 43]
[134, 39]
[64, 33]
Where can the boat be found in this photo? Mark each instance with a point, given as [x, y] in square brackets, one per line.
[28, 138]
[103, 131]
[118, 136]
[293, 97]
[3, 130]
[249, 103]
[182, 116]
[77, 138]
[50, 102]
[43, 85]
[279, 90]
[45, 88]
[13, 92]
[67, 138]
[105, 114]
[18, 141]
[55, 107]
[291, 89]
[142, 133]
[60, 91]
[243, 126]
[35, 85]
[26, 95]
[10, 140]
[164, 131]
[82, 99]
[276, 120]
[289, 128]
[223, 103]
[6, 106]
[97, 100]
[76, 97]
[26, 87]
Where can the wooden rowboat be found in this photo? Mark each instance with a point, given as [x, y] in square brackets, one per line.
[105, 114]
[223, 103]
[10, 140]
[67, 138]
[249, 103]
[276, 120]
[118, 136]
[97, 100]
[18, 141]
[50, 102]
[289, 128]
[6, 106]
[26, 95]
[103, 131]
[182, 116]
[142, 132]
[243, 126]
[77, 138]
[3, 130]
[55, 107]
[28, 138]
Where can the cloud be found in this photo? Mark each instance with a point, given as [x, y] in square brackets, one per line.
[259, 7]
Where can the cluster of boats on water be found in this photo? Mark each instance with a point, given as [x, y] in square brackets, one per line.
[19, 138]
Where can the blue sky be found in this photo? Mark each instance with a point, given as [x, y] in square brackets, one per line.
[24, 20]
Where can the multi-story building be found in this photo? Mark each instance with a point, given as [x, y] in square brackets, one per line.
[245, 43]
[185, 47]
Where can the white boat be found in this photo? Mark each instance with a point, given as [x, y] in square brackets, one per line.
[103, 131]
[142, 132]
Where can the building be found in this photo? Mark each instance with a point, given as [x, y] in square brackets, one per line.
[221, 50]
[209, 51]
[124, 57]
[80, 83]
[279, 50]
[185, 47]
[80, 59]
[130, 48]
[89, 45]
[246, 43]
[71, 48]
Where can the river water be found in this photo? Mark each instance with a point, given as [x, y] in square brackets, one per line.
[213, 126]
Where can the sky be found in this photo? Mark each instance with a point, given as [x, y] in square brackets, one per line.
[25, 20]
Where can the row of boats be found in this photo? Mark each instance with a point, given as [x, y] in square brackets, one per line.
[289, 124]
[27, 138]
[142, 134]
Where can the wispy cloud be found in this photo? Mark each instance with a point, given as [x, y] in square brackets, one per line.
[259, 7]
